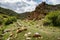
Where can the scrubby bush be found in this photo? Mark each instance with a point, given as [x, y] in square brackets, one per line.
[9, 20]
[47, 22]
[53, 18]
[1, 20]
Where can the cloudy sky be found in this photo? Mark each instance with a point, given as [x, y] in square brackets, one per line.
[21, 6]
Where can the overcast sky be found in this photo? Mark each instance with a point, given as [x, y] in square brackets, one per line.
[24, 5]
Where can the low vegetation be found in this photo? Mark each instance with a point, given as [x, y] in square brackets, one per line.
[53, 18]
[6, 20]
[35, 31]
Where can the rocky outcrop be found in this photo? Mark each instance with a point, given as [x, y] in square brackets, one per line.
[41, 10]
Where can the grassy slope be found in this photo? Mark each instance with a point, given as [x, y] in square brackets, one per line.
[48, 33]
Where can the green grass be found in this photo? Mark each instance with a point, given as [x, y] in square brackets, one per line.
[47, 32]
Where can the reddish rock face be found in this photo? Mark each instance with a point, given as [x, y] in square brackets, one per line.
[38, 11]
[32, 16]
[41, 11]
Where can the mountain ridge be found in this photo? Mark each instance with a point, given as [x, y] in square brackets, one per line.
[40, 11]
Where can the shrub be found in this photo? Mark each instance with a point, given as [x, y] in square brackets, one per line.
[47, 22]
[53, 18]
[1, 20]
[9, 20]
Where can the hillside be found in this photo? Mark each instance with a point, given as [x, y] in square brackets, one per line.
[9, 12]
[12, 28]
[41, 10]
[7, 16]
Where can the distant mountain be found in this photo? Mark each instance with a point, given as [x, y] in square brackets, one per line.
[41, 10]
